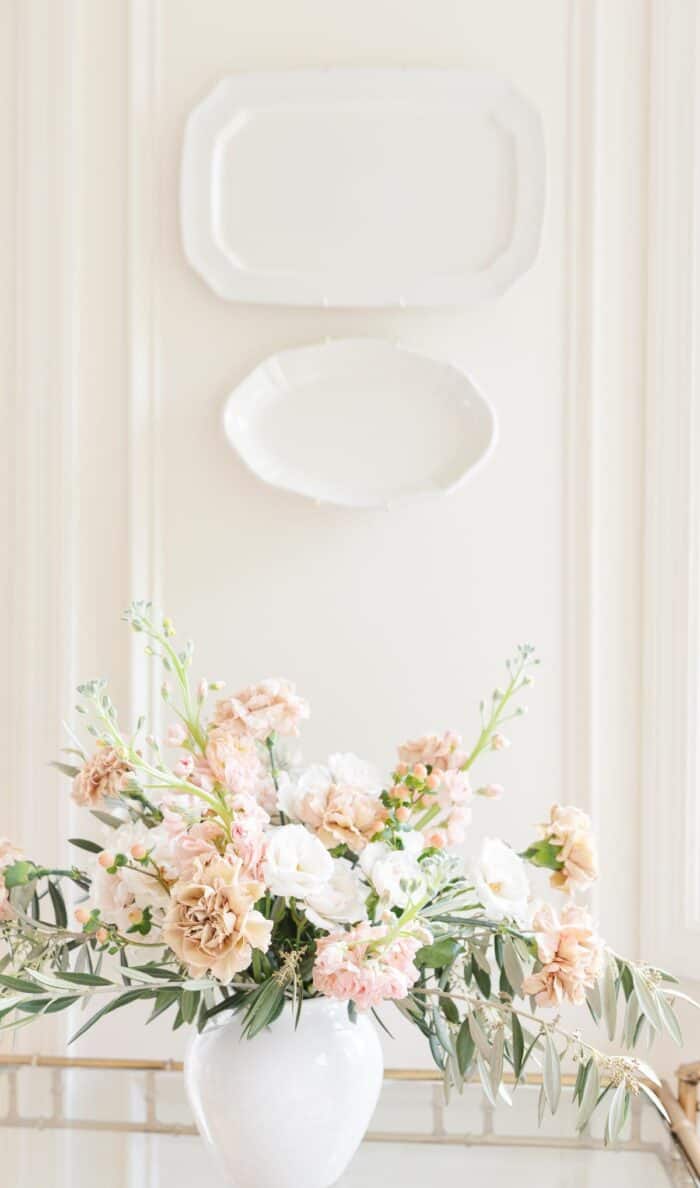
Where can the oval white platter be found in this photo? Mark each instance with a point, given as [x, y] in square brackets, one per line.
[349, 187]
[359, 423]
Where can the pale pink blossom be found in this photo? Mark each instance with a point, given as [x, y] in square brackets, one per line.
[204, 839]
[360, 966]
[102, 775]
[570, 953]
[184, 767]
[440, 752]
[271, 707]
[212, 925]
[233, 759]
[570, 829]
[177, 735]
[9, 854]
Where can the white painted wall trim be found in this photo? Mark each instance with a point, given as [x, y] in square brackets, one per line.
[142, 296]
[671, 816]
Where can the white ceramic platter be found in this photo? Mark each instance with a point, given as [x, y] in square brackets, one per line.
[359, 423]
[362, 187]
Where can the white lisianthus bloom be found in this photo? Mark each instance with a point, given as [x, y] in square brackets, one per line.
[396, 875]
[296, 863]
[501, 882]
[342, 900]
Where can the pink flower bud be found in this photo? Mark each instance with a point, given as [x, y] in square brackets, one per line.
[184, 767]
[135, 916]
[403, 813]
[106, 859]
[436, 840]
[138, 851]
[499, 742]
[429, 799]
[82, 915]
[102, 935]
[176, 734]
[420, 771]
[402, 769]
[433, 781]
[202, 689]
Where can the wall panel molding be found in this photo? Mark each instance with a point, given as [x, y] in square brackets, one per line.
[604, 378]
[143, 329]
[671, 886]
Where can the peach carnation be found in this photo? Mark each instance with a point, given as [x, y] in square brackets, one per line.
[211, 924]
[358, 966]
[440, 752]
[233, 759]
[339, 803]
[272, 707]
[570, 829]
[102, 775]
[570, 953]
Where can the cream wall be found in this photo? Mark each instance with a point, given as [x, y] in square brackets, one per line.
[117, 360]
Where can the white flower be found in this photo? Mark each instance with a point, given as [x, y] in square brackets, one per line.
[501, 882]
[396, 875]
[342, 900]
[296, 862]
[117, 895]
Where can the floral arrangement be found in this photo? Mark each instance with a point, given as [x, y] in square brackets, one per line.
[230, 878]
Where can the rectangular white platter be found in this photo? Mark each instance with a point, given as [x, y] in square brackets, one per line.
[346, 187]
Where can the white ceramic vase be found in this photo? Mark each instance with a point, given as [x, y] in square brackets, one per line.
[289, 1108]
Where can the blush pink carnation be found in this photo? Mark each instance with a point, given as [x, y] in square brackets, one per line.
[272, 707]
[101, 775]
[233, 759]
[359, 966]
[440, 752]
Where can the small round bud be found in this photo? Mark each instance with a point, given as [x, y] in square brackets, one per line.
[168, 627]
[403, 813]
[433, 781]
[420, 771]
[102, 935]
[429, 799]
[491, 791]
[138, 851]
[135, 916]
[202, 689]
[436, 840]
[499, 742]
[401, 769]
[82, 915]
[106, 859]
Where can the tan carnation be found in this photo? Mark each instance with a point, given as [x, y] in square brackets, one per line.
[102, 775]
[211, 924]
[570, 829]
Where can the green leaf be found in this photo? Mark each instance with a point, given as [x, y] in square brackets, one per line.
[66, 769]
[648, 1000]
[58, 904]
[83, 979]
[114, 1005]
[482, 979]
[497, 1060]
[23, 985]
[442, 1030]
[19, 874]
[518, 1044]
[479, 1036]
[437, 955]
[589, 1096]
[189, 1004]
[543, 853]
[670, 1020]
[608, 992]
[617, 1114]
[551, 1073]
[84, 844]
[465, 1048]
[656, 1101]
[512, 965]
